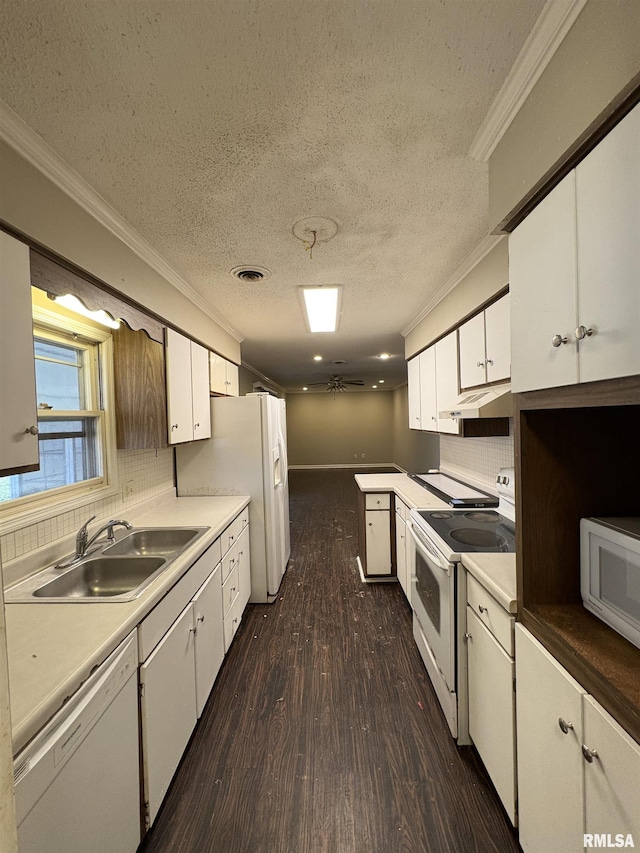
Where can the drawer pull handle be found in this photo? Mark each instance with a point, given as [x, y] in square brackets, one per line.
[482, 609]
[589, 754]
[200, 617]
[193, 629]
[564, 725]
[468, 636]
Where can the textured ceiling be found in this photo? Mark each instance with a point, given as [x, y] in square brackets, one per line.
[212, 127]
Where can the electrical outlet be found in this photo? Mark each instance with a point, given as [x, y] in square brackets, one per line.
[355, 455]
[127, 489]
[362, 456]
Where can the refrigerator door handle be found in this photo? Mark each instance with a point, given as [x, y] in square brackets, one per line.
[277, 469]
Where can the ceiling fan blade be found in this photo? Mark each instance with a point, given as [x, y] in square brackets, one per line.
[354, 382]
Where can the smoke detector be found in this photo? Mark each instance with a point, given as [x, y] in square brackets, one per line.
[250, 274]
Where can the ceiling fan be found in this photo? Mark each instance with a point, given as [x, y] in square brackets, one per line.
[338, 383]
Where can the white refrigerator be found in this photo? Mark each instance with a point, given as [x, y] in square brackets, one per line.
[247, 455]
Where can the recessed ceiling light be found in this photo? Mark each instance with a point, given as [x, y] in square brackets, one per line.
[384, 356]
[321, 306]
[374, 386]
[381, 381]
[305, 388]
[317, 358]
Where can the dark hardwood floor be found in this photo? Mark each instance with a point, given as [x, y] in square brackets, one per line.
[322, 733]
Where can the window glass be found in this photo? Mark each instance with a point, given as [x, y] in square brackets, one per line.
[70, 446]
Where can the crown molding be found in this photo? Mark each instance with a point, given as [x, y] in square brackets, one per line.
[555, 21]
[471, 260]
[23, 139]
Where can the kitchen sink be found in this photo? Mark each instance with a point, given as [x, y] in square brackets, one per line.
[152, 541]
[118, 572]
[100, 577]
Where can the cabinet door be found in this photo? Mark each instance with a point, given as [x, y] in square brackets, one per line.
[491, 709]
[179, 395]
[18, 416]
[608, 221]
[612, 779]
[428, 398]
[401, 552]
[472, 352]
[209, 645]
[167, 708]
[413, 379]
[542, 282]
[233, 380]
[550, 780]
[200, 391]
[378, 542]
[244, 566]
[217, 373]
[447, 389]
[497, 327]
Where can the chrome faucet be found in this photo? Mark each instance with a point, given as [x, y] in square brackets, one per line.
[84, 542]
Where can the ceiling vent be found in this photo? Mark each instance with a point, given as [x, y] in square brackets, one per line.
[250, 275]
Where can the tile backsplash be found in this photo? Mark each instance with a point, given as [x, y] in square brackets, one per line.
[477, 458]
[142, 474]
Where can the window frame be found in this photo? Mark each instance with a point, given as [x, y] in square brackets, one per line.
[30, 509]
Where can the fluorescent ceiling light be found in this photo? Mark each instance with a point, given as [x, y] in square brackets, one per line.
[321, 307]
[72, 303]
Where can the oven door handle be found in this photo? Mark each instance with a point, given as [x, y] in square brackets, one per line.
[423, 543]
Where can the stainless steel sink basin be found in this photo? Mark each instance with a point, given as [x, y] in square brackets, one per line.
[153, 541]
[118, 572]
[100, 577]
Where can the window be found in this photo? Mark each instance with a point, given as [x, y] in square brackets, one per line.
[72, 365]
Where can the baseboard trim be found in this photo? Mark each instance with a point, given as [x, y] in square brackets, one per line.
[373, 578]
[349, 465]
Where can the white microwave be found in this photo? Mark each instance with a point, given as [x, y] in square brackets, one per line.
[610, 572]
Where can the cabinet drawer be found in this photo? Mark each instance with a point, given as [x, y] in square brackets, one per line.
[232, 622]
[492, 614]
[233, 531]
[230, 561]
[376, 500]
[230, 588]
[153, 628]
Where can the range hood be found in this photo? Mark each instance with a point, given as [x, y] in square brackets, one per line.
[492, 402]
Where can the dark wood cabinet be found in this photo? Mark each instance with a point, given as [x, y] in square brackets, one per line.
[140, 390]
[577, 455]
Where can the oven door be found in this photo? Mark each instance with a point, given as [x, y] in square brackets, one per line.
[433, 599]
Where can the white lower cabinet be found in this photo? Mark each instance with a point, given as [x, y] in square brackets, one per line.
[402, 554]
[182, 643]
[491, 673]
[209, 636]
[578, 770]
[167, 708]
[378, 542]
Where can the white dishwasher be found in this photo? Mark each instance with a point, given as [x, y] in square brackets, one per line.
[77, 783]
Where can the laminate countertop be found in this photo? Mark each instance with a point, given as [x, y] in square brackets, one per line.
[497, 574]
[410, 492]
[53, 648]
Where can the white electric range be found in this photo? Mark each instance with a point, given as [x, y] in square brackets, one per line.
[476, 522]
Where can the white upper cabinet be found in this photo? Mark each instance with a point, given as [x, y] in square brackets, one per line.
[485, 351]
[428, 403]
[413, 377]
[574, 272]
[223, 376]
[188, 408]
[18, 415]
[446, 354]
[608, 229]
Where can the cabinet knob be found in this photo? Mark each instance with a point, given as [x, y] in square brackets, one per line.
[489, 361]
[564, 725]
[582, 332]
[589, 754]
[200, 617]
[32, 430]
[193, 629]
[468, 636]
[195, 426]
[482, 609]
[174, 426]
[556, 340]
[480, 364]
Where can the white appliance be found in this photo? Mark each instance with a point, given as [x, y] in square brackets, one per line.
[610, 572]
[438, 585]
[77, 783]
[247, 455]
